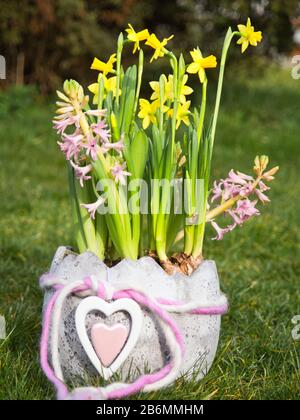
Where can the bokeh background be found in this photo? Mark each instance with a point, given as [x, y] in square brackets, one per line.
[45, 42]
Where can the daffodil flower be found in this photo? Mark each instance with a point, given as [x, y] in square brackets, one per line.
[182, 114]
[147, 112]
[248, 36]
[103, 67]
[136, 37]
[158, 46]
[201, 63]
[156, 90]
[169, 91]
[110, 85]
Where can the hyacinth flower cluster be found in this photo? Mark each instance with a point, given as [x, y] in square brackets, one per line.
[233, 195]
[126, 153]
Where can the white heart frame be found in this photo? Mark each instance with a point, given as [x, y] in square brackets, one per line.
[93, 303]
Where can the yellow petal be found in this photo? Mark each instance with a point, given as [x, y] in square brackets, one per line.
[130, 28]
[155, 106]
[193, 68]
[146, 122]
[196, 54]
[154, 85]
[143, 35]
[245, 45]
[242, 28]
[186, 120]
[208, 62]
[93, 88]
[186, 106]
[97, 64]
[202, 75]
[185, 79]
[152, 41]
[187, 90]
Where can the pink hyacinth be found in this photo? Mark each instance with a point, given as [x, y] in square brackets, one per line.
[71, 145]
[96, 112]
[119, 174]
[118, 146]
[81, 172]
[62, 122]
[100, 129]
[91, 147]
[93, 207]
[243, 211]
[239, 177]
[220, 231]
[238, 185]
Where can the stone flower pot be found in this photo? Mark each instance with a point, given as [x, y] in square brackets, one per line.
[150, 353]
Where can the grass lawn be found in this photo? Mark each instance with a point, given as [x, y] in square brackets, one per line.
[259, 265]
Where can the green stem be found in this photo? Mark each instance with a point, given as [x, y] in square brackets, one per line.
[161, 225]
[101, 233]
[100, 93]
[188, 239]
[141, 241]
[88, 224]
[227, 41]
[200, 230]
[139, 82]
[202, 111]
[79, 233]
[119, 55]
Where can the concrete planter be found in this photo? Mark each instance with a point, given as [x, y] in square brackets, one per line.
[200, 332]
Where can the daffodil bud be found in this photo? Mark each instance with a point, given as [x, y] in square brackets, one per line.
[120, 40]
[114, 125]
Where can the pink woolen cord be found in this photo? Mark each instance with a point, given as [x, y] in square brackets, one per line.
[88, 285]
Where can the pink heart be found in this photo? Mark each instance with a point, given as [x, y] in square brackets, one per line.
[108, 341]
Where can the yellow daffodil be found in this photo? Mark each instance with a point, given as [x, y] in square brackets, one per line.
[147, 112]
[201, 63]
[157, 45]
[169, 91]
[110, 85]
[182, 113]
[136, 37]
[248, 36]
[156, 90]
[103, 67]
[93, 88]
[184, 91]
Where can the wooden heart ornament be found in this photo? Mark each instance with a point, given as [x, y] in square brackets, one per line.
[109, 346]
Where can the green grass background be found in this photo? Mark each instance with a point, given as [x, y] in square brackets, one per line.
[259, 264]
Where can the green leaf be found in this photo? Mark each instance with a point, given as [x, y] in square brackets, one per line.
[139, 154]
[194, 155]
[127, 98]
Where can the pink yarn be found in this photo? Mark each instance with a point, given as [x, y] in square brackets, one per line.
[143, 300]
[209, 310]
[139, 384]
[61, 388]
[146, 301]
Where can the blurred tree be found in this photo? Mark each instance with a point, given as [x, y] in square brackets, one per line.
[46, 41]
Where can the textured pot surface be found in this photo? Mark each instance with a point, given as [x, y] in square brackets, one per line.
[200, 332]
